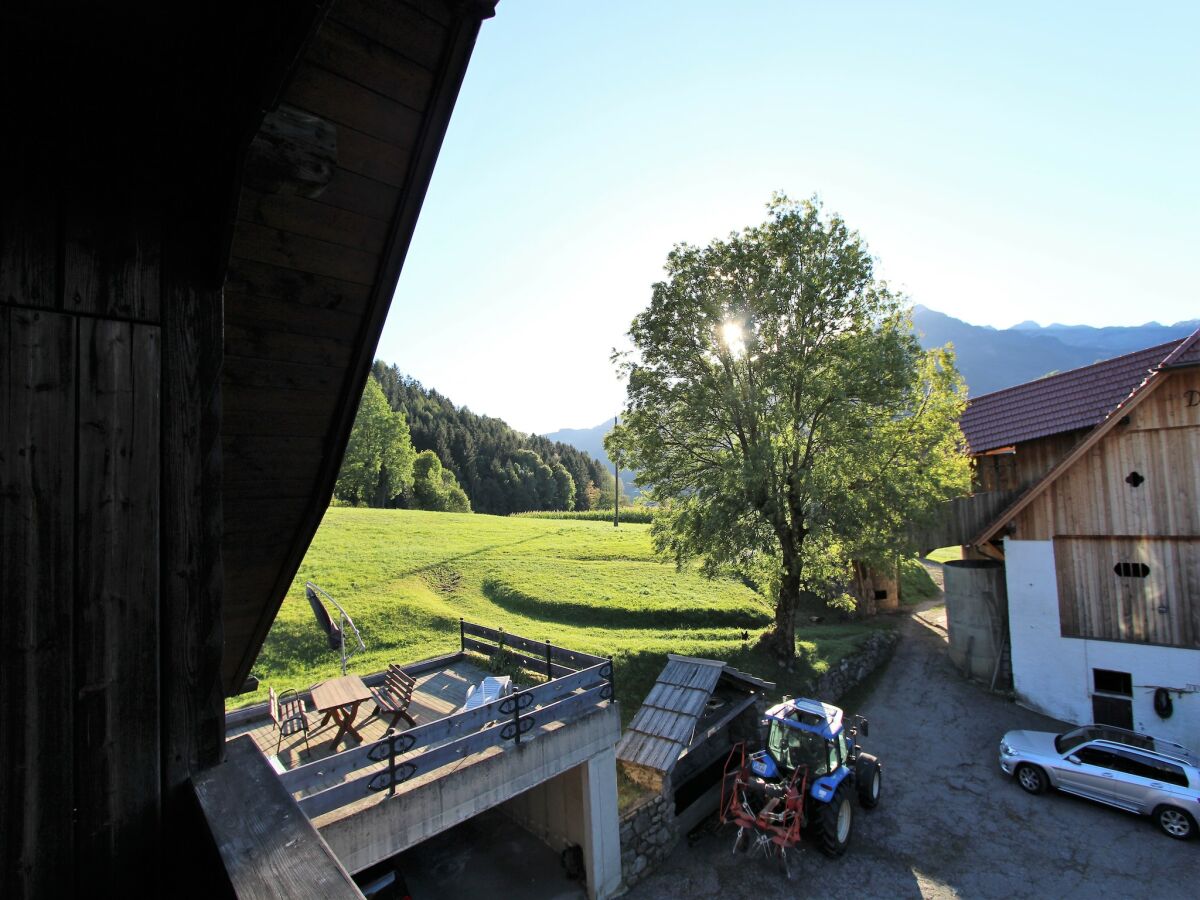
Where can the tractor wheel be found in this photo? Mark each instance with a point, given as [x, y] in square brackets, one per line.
[835, 820]
[868, 775]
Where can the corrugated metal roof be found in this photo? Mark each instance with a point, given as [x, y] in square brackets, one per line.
[662, 729]
[1080, 398]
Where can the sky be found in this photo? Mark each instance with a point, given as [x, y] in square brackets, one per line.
[1003, 162]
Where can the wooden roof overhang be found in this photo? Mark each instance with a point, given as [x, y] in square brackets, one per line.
[312, 270]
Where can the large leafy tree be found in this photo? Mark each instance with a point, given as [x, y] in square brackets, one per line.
[782, 411]
[378, 466]
[435, 487]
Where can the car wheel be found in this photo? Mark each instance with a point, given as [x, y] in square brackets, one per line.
[1031, 778]
[835, 822]
[868, 775]
[1175, 822]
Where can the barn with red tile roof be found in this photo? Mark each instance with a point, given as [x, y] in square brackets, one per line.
[1088, 514]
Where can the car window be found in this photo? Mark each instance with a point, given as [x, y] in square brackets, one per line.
[1171, 773]
[1072, 739]
[1134, 764]
[1097, 756]
[1149, 768]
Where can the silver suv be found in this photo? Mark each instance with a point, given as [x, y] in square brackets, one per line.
[1122, 768]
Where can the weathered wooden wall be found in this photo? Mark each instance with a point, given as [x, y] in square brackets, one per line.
[108, 397]
[1097, 495]
[999, 479]
[1133, 498]
[1098, 597]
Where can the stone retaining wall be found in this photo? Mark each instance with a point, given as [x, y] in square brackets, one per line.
[851, 670]
[647, 836]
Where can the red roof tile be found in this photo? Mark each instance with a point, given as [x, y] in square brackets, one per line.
[1068, 401]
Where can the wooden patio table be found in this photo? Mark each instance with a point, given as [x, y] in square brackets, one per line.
[339, 699]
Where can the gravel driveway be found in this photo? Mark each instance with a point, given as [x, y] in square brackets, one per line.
[949, 823]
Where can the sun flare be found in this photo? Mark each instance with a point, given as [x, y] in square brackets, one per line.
[731, 336]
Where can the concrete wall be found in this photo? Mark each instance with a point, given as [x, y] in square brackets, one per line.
[1053, 674]
[578, 807]
[379, 827]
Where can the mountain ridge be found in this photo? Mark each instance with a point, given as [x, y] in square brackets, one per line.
[990, 359]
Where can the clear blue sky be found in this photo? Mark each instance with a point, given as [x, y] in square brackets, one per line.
[1003, 161]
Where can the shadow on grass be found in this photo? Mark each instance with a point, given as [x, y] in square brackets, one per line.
[570, 612]
[447, 561]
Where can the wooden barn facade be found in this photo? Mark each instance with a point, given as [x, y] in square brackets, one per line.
[1100, 541]
[204, 220]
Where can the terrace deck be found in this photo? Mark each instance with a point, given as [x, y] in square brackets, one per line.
[438, 694]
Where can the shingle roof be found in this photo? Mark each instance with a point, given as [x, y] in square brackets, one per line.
[1080, 398]
[662, 729]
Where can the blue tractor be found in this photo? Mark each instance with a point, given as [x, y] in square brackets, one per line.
[803, 782]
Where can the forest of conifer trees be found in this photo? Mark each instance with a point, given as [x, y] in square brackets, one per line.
[499, 469]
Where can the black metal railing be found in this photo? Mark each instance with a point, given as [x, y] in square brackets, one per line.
[568, 695]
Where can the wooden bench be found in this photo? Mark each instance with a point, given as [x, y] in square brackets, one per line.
[394, 694]
[289, 715]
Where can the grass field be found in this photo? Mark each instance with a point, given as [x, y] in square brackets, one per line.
[406, 577]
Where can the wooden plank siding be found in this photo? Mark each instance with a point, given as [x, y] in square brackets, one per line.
[117, 761]
[1094, 497]
[37, 539]
[1096, 602]
[998, 480]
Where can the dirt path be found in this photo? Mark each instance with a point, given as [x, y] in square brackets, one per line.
[950, 824]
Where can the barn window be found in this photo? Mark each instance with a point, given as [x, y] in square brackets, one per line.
[1112, 694]
[1106, 681]
[881, 593]
[1131, 570]
[1133, 479]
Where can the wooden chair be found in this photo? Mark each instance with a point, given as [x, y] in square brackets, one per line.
[393, 696]
[289, 715]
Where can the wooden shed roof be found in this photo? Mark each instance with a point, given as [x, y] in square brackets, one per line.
[664, 726]
[310, 280]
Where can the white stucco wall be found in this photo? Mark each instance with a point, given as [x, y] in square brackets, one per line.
[1053, 674]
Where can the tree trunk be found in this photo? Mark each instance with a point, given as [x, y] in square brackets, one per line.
[785, 608]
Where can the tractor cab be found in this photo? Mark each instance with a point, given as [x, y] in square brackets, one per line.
[806, 733]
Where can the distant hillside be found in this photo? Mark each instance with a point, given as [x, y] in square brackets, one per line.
[991, 359]
[591, 442]
[501, 469]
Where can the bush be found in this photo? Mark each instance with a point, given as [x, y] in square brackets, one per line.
[637, 515]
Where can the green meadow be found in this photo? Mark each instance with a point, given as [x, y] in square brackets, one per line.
[406, 577]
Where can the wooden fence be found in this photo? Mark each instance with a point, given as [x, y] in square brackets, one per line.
[537, 656]
[580, 683]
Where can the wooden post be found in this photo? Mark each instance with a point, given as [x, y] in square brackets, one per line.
[616, 484]
[549, 665]
[462, 636]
